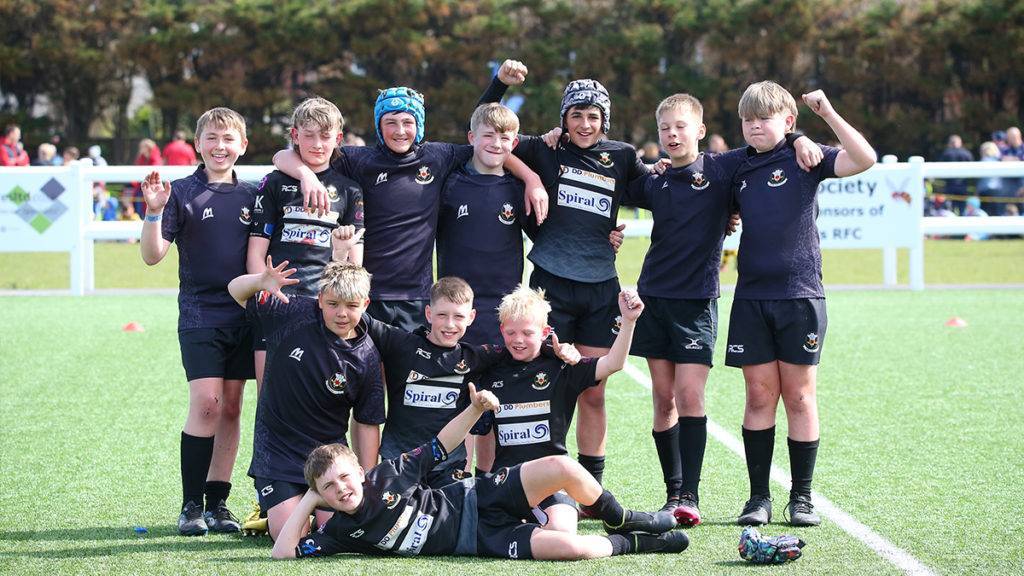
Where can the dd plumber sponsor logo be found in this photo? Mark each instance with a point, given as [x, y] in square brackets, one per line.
[523, 409]
[524, 433]
[430, 396]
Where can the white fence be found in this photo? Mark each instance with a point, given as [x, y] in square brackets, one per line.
[45, 209]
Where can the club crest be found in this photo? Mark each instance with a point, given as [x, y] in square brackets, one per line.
[462, 367]
[778, 178]
[332, 193]
[617, 325]
[500, 476]
[507, 216]
[698, 182]
[541, 381]
[605, 159]
[391, 499]
[262, 297]
[811, 344]
[336, 384]
[424, 176]
[246, 216]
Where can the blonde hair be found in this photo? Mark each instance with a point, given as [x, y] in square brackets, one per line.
[453, 289]
[319, 112]
[495, 115]
[989, 150]
[348, 281]
[322, 458]
[223, 117]
[681, 102]
[764, 99]
[46, 151]
[524, 303]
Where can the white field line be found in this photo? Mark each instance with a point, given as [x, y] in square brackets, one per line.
[873, 540]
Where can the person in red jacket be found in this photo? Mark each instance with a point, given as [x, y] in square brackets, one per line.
[177, 152]
[11, 152]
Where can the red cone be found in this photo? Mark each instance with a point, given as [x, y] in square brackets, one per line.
[132, 327]
[956, 322]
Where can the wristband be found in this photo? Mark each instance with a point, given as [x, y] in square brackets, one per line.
[793, 137]
[154, 217]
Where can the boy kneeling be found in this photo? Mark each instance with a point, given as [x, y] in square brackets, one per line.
[389, 510]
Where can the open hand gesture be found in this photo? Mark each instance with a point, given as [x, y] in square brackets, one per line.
[277, 277]
[155, 192]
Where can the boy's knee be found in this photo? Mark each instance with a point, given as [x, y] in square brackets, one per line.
[207, 408]
[592, 400]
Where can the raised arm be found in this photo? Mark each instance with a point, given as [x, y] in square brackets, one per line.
[857, 154]
[153, 245]
[455, 431]
[366, 443]
[630, 307]
[533, 189]
[272, 279]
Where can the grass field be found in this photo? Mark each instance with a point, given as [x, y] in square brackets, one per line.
[920, 442]
[119, 265]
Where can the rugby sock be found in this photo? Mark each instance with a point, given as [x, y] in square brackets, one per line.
[607, 508]
[620, 544]
[693, 438]
[802, 456]
[759, 446]
[196, 453]
[216, 492]
[593, 464]
[479, 473]
[667, 444]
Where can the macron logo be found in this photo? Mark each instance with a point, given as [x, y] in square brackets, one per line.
[297, 354]
[463, 211]
[382, 177]
[207, 213]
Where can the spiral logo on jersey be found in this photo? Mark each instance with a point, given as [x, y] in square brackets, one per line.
[541, 431]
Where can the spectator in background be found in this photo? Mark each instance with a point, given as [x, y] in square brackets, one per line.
[70, 155]
[938, 206]
[11, 151]
[149, 155]
[990, 187]
[717, 144]
[650, 153]
[45, 155]
[973, 208]
[104, 206]
[1013, 152]
[352, 139]
[96, 155]
[955, 152]
[999, 137]
[178, 152]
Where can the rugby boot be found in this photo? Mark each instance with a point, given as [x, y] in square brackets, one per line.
[757, 511]
[800, 511]
[191, 522]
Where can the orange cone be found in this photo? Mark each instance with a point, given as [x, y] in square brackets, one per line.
[132, 327]
[956, 322]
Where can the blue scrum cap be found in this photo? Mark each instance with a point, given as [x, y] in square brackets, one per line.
[400, 99]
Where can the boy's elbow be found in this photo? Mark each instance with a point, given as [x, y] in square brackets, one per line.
[276, 554]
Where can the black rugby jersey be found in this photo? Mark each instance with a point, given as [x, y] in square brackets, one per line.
[538, 399]
[780, 254]
[398, 514]
[210, 225]
[302, 237]
[690, 206]
[313, 381]
[584, 187]
[480, 233]
[426, 384]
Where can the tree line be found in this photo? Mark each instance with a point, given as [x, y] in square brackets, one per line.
[907, 73]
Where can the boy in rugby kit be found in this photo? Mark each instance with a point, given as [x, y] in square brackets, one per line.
[284, 229]
[480, 231]
[690, 203]
[539, 393]
[402, 178]
[573, 259]
[388, 510]
[777, 325]
[208, 215]
[321, 366]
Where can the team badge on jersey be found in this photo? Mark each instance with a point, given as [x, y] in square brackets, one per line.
[507, 216]
[462, 367]
[391, 499]
[246, 216]
[540, 381]
[778, 178]
[605, 159]
[262, 297]
[500, 476]
[698, 181]
[811, 344]
[336, 384]
[424, 176]
[617, 325]
[332, 193]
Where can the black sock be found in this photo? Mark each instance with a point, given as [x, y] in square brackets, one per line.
[693, 438]
[620, 544]
[667, 444]
[196, 453]
[802, 456]
[593, 464]
[479, 473]
[759, 446]
[607, 508]
[216, 492]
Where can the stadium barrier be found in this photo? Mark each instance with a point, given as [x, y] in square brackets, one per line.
[49, 209]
